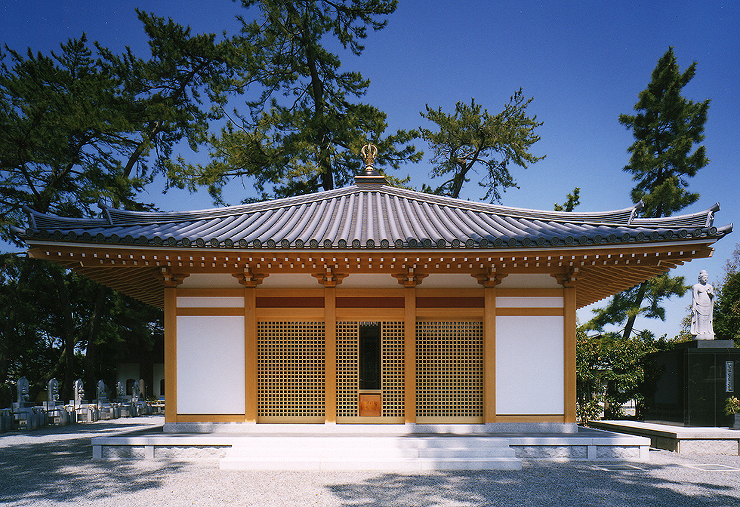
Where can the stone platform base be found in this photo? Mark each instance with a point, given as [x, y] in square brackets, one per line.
[374, 447]
[678, 438]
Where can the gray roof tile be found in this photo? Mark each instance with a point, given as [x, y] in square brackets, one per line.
[366, 216]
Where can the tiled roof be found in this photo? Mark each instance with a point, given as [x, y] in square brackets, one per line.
[366, 216]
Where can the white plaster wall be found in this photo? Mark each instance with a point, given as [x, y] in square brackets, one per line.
[451, 281]
[210, 302]
[529, 365]
[290, 281]
[370, 281]
[210, 365]
[157, 376]
[547, 302]
[536, 281]
[210, 281]
[125, 371]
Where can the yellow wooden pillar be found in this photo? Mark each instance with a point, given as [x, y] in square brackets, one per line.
[170, 354]
[330, 355]
[250, 355]
[489, 355]
[410, 354]
[569, 311]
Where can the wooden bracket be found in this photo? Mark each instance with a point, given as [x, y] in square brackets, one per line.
[329, 278]
[249, 279]
[410, 279]
[568, 279]
[490, 278]
[171, 279]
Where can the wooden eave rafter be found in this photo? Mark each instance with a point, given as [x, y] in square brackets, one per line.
[596, 272]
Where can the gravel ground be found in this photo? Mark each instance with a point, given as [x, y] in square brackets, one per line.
[52, 467]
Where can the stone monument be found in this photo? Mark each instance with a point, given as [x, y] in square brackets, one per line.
[57, 413]
[694, 379]
[106, 410]
[24, 413]
[53, 392]
[702, 308]
[79, 392]
[23, 388]
[85, 412]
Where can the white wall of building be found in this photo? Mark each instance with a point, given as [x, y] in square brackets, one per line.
[157, 378]
[529, 365]
[210, 365]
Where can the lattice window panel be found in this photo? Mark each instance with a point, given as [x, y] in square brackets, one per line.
[449, 369]
[348, 368]
[393, 385]
[393, 369]
[290, 369]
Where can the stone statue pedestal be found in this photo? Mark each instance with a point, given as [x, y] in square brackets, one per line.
[706, 344]
[689, 385]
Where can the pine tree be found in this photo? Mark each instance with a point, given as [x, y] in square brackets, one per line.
[666, 128]
[471, 138]
[304, 130]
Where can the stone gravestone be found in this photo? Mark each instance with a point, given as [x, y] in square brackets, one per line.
[23, 412]
[102, 392]
[105, 410]
[22, 388]
[143, 407]
[125, 407]
[53, 392]
[85, 411]
[55, 410]
[79, 392]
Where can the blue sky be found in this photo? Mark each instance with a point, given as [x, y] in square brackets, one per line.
[583, 63]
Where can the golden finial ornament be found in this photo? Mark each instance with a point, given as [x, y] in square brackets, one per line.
[369, 152]
[370, 175]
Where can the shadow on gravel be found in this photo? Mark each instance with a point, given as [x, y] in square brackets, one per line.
[62, 469]
[549, 485]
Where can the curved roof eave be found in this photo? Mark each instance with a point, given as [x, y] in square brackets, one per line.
[415, 220]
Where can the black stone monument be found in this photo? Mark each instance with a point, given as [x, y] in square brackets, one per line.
[691, 383]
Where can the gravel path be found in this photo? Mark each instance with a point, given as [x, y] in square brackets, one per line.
[52, 467]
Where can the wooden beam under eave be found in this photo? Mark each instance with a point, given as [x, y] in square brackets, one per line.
[301, 259]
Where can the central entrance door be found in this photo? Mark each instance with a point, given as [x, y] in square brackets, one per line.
[370, 399]
[370, 371]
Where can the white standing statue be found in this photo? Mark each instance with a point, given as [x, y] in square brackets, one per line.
[702, 308]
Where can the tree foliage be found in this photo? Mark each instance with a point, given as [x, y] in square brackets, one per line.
[666, 129]
[83, 126]
[571, 201]
[78, 329]
[305, 128]
[471, 138]
[610, 371]
[727, 307]
[622, 308]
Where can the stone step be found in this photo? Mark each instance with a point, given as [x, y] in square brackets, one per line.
[399, 464]
[369, 441]
[370, 453]
[379, 452]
